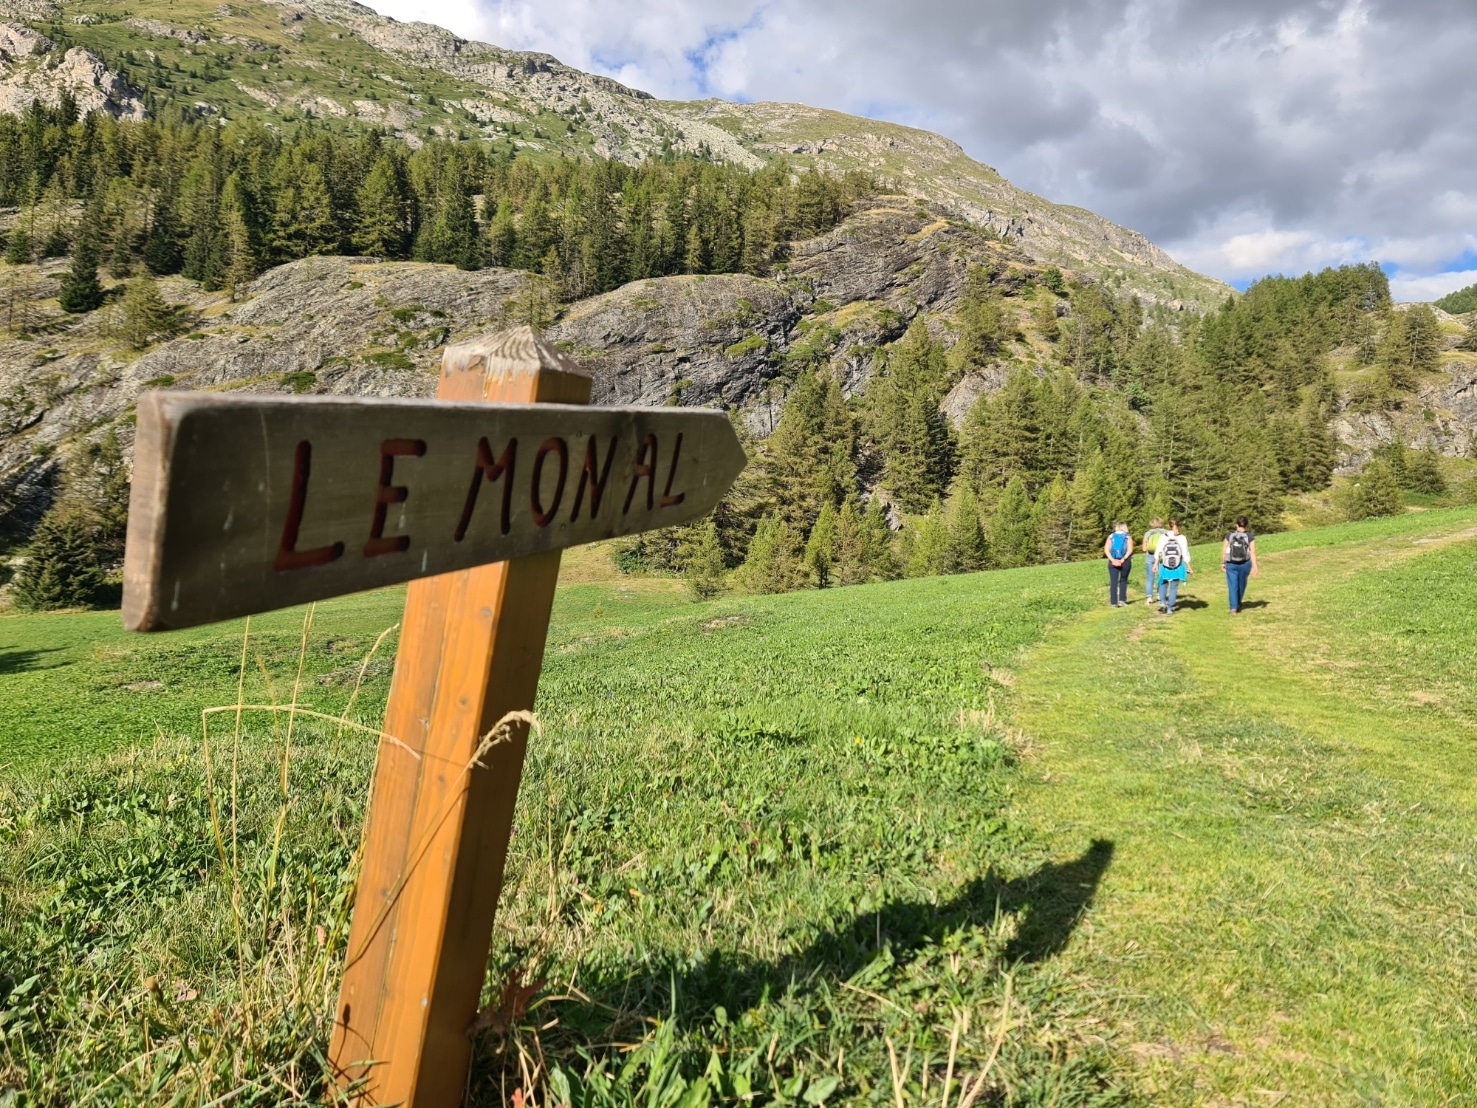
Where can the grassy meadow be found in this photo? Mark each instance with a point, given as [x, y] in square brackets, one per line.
[954, 841]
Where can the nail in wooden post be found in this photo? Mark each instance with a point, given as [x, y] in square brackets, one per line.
[471, 646]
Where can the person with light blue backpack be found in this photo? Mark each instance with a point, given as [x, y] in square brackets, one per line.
[1118, 549]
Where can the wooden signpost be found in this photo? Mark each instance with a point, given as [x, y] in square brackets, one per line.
[244, 504]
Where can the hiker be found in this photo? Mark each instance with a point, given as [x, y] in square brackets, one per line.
[1118, 549]
[1152, 536]
[1174, 566]
[1238, 556]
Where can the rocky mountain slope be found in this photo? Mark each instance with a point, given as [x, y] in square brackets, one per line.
[335, 60]
[355, 326]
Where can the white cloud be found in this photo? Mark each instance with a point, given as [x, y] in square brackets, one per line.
[1409, 289]
[1342, 126]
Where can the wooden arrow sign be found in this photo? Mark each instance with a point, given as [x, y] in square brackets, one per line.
[243, 504]
[247, 503]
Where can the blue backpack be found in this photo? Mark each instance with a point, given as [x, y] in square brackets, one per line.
[1118, 546]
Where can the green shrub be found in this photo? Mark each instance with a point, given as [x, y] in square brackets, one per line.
[61, 568]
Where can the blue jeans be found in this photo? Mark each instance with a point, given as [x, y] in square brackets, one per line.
[1118, 581]
[1151, 568]
[1236, 576]
[1169, 592]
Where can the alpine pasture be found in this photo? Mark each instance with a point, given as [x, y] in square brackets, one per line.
[965, 840]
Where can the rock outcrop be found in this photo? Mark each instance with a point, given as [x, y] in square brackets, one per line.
[1441, 416]
[356, 326]
[30, 71]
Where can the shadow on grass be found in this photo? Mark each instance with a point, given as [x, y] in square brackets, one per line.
[21, 661]
[1048, 904]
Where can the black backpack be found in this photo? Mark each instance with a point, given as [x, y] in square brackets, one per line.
[1239, 543]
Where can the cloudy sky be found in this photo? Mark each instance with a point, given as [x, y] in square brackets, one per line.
[1244, 136]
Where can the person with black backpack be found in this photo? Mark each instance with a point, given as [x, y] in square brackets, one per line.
[1238, 556]
[1174, 566]
[1118, 549]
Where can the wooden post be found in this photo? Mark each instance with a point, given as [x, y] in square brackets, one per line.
[249, 504]
[471, 647]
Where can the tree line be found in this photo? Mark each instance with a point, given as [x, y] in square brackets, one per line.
[220, 204]
[1135, 415]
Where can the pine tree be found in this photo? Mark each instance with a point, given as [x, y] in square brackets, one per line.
[982, 326]
[927, 545]
[775, 560]
[237, 246]
[1411, 346]
[864, 545]
[502, 235]
[20, 292]
[382, 211]
[1094, 504]
[1254, 487]
[1396, 456]
[909, 430]
[1053, 520]
[701, 555]
[61, 569]
[1377, 493]
[535, 233]
[1423, 472]
[81, 291]
[968, 550]
[1012, 533]
[807, 460]
[146, 316]
[303, 222]
[694, 257]
[1047, 325]
[460, 216]
[881, 558]
[162, 251]
[820, 547]
[18, 247]
[1002, 435]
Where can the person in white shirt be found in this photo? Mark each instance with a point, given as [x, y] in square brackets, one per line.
[1173, 556]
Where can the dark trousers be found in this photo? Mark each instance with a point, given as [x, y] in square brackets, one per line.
[1236, 576]
[1118, 581]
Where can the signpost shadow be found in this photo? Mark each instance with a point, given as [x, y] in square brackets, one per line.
[1046, 905]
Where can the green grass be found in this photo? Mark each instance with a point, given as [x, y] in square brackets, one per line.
[763, 840]
[761, 836]
[1287, 905]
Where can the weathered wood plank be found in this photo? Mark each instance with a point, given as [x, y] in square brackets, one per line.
[471, 646]
[245, 504]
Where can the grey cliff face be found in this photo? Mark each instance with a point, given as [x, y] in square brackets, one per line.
[356, 326]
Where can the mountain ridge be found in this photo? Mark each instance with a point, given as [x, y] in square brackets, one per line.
[338, 60]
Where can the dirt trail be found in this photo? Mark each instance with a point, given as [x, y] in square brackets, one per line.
[1286, 912]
